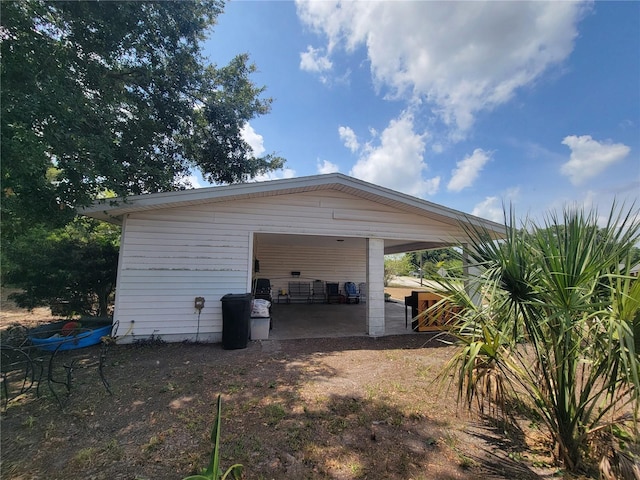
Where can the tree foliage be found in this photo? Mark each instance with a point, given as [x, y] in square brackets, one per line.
[559, 325]
[396, 265]
[116, 96]
[74, 266]
[433, 260]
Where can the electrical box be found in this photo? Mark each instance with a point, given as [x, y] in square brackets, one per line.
[199, 303]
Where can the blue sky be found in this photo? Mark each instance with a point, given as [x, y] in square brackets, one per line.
[466, 104]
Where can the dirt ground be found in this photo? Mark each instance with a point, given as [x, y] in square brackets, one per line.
[350, 408]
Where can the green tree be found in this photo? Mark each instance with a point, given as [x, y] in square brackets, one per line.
[116, 96]
[395, 265]
[559, 325]
[433, 260]
[75, 265]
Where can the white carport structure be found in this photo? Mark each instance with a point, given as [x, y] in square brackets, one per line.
[180, 245]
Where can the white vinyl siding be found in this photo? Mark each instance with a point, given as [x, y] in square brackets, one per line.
[170, 256]
[167, 262]
[329, 265]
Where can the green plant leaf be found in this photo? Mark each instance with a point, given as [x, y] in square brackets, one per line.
[559, 322]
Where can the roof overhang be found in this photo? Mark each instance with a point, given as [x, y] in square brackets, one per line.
[113, 210]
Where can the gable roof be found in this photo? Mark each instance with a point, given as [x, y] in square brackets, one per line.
[113, 209]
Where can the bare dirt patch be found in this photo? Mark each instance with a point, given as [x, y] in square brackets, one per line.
[398, 293]
[348, 408]
[10, 314]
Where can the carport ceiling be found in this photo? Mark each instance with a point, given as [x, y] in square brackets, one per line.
[316, 241]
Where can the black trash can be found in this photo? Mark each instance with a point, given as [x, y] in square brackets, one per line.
[236, 312]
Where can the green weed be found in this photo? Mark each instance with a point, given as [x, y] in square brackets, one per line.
[30, 421]
[86, 455]
[154, 443]
[113, 450]
[213, 470]
[169, 387]
[337, 425]
[274, 413]
[234, 388]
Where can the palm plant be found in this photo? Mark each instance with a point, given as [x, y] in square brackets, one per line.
[558, 323]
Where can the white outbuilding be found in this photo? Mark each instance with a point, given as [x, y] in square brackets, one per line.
[210, 242]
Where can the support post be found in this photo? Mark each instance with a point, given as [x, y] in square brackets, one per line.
[471, 272]
[375, 286]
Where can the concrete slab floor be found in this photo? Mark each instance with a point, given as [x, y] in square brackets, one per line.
[303, 320]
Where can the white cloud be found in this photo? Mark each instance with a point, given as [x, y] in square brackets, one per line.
[490, 208]
[590, 157]
[348, 137]
[397, 161]
[313, 61]
[512, 194]
[194, 181]
[431, 185]
[327, 167]
[468, 169]
[461, 57]
[255, 141]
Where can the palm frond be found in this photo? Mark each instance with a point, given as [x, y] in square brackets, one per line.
[553, 311]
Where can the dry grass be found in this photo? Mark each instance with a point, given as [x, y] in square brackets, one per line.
[348, 408]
